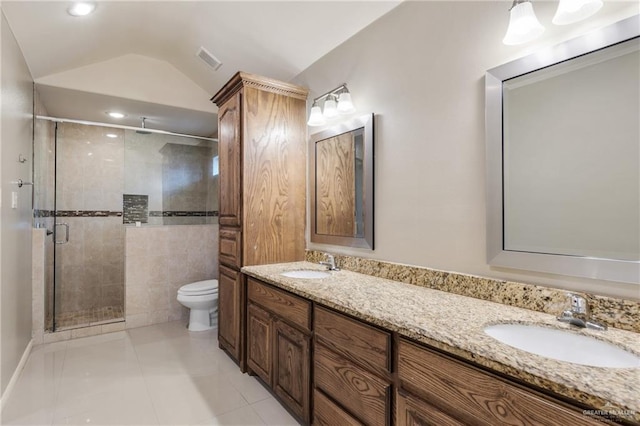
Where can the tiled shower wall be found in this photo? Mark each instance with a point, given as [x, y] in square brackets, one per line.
[176, 176]
[160, 260]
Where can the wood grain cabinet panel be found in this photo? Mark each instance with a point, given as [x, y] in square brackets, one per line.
[294, 309]
[354, 340]
[231, 308]
[327, 413]
[230, 247]
[411, 411]
[279, 351]
[292, 368]
[476, 397]
[229, 161]
[259, 341]
[357, 390]
[262, 137]
[274, 196]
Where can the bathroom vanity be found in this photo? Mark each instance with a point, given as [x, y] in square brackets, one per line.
[355, 349]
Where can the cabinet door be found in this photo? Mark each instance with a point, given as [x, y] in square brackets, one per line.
[230, 302]
[229, 158]
[326, 413]
[357, 390]
[291, 369]
[230, 247]
[475, 396]
[259, 338]
[412, 411]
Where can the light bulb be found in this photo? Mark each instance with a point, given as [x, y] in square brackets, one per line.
[523, 24]
[345, 106]
[330, 107]
[315, 116]
[570, 11]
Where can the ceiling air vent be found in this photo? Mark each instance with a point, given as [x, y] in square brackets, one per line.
[208, 58]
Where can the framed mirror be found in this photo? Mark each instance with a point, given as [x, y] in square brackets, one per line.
[563, 158]
[341, 183]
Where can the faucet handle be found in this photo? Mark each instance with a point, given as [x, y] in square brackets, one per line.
[578, 304]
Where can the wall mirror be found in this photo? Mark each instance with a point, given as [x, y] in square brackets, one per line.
[563, 158]
[341, 182]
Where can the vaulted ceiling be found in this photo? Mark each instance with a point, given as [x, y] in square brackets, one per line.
[142, 55]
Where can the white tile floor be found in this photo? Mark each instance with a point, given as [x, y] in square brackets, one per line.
[157, 375]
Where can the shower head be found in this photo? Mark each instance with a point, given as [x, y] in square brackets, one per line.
[142, 127]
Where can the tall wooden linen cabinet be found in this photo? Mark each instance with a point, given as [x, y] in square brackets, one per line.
[262, 164]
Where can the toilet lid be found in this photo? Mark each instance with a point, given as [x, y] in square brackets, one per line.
[200, 287]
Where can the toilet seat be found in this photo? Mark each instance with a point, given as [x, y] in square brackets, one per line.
[199, 288]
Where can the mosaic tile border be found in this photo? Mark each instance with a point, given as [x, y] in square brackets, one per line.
[87, 213]
[619, 313]
[179, 213]
[43, 213]
[106, 213]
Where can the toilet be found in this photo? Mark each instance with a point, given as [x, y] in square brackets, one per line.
[202, 299]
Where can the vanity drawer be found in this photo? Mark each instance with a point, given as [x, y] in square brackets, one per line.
[326, 413]
[474, 396]
[357, 390]
[354, 340]
[231, 247]
[287, 306]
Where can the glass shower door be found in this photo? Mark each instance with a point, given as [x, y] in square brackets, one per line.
[88, 232]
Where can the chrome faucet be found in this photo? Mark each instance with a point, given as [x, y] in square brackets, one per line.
[579, 314]
[330, 263]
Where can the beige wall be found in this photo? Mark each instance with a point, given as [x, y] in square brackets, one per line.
[160, 260]
[15, 224]
[135, 77]
[421, 70]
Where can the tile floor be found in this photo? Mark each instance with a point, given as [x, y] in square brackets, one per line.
[156, 375]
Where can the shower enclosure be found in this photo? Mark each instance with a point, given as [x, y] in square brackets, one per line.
[92, 181]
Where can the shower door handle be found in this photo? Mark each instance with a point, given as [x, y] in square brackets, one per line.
[66, 233]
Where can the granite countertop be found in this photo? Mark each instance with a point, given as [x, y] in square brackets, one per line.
[455, 324]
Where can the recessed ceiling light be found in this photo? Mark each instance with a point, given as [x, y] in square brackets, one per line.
[112, 135]
[115, 114]
[81, 8]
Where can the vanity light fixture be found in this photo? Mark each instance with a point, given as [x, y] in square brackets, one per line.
[570, 11]
[81, 8]
[523, 24]
[315, 116]
[337, 101]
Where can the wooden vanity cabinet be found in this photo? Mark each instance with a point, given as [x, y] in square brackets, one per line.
[436, 389]
[352, 370]
[262, 184]
[230, 307]
[279, 344]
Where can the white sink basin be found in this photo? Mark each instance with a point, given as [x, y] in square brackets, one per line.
[308, 274]
[563, 345]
